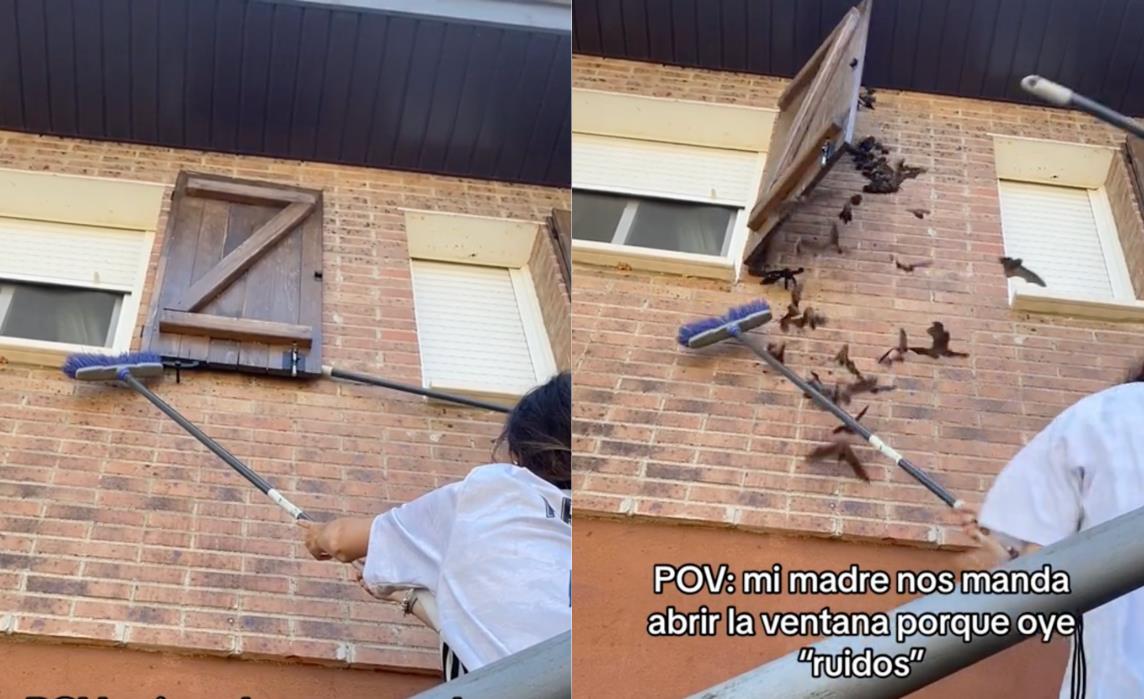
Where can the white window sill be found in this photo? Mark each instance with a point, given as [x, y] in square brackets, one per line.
[686, 263]
[42, 353]
[489, 394]
[1046, 302]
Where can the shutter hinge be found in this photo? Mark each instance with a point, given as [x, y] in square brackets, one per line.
[294, 360]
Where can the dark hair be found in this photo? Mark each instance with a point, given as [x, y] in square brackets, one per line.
[538, 431]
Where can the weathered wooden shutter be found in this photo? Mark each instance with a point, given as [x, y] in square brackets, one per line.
[240, 281]
[815, 123]
[560, 231]
[1135, 150]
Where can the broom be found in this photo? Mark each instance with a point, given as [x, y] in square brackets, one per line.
[740, 320]
[129, 368]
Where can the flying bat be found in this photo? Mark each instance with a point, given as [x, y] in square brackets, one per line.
[809, 317]
[919, 213]
[864, 385]
[843, 359]
[909, 267]
[857, 418]
[841, 451]
[788, 318]
[786, 275]
[940, 347]
[896, 354]
[795, 295]
[1014, 268]
[778, 351]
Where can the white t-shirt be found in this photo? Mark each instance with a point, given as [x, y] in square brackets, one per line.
[1085, 468]
[496, 552]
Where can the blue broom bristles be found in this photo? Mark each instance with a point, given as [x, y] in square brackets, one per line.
[690, 330]
[76, 362]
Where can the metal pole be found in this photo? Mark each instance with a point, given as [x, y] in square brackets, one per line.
[1104, 563]
[543, 671]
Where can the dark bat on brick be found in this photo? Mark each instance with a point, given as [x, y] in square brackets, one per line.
[841, 450]
[919, 213]
[857, 418]
[856, 199]
[896, 354]
[843, 359]
[864, 385]
[940, 347]
[795, 295]
[1014, 268]
[809, 317]
[816, 381]
[866, 98]
[786, 275]
[788, 318]
[777, 350]
[909, 267]
[847, 213]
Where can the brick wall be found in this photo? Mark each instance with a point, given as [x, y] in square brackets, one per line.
[117, 527]
[555, 303]
[711, 437]
[1127, 212]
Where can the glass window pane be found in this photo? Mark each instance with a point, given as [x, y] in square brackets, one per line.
[59, 314]
[595, 216]
[680, 226]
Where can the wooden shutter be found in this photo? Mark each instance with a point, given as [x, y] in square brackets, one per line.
[1135, 150]
[1054, 230]
[560, 233]
[240, 281]
[815, 124]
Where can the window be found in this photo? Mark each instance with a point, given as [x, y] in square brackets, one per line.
[71, 276]
[480, 326]
[664, 184]
[58, 313]
[660, 224]
[1057, 218]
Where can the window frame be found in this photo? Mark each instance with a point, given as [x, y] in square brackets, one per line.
[1077, 166]
[501, 243]
[627, 218]
[668, 121]
[96, 205]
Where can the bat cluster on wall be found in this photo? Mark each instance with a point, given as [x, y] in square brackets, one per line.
[870, 157]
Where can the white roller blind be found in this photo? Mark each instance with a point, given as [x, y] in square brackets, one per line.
[69, 254]
[1054, 230]
[470, 328]
[667, 170]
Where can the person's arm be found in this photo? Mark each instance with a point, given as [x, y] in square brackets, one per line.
[345, 539]
[986, 557]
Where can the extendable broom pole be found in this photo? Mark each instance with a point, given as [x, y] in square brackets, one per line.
[1062, 96]
[738, 321]
[334, 372]
[126, 368]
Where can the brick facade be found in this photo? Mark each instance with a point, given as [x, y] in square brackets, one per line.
[710, 437]
[117, 527]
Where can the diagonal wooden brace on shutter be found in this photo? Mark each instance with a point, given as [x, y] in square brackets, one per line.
[234, 264]
[814, 126]
[240, 279]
